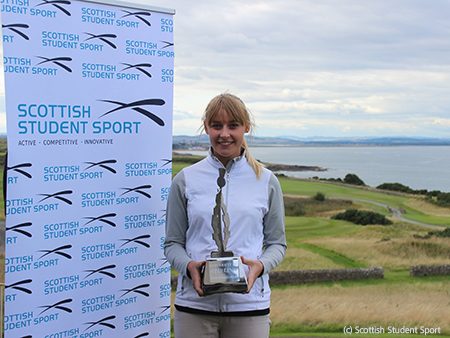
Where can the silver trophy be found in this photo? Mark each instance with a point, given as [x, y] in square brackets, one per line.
[223, 271]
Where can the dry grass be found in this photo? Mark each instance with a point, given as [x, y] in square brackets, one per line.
[427, 208]
[410, 305]
[307, 206]
[393, 248]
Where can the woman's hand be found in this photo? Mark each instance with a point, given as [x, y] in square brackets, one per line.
[254, 270]
[195, 270]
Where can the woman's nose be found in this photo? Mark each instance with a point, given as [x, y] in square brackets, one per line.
[224, 133]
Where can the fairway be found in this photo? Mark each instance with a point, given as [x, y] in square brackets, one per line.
[300, 228]
[310, 188]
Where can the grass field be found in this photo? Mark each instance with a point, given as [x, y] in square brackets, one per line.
[317, 242]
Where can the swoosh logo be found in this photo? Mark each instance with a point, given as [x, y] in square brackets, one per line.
[18, 228]
[56, 4]
[104, 38]
[15, 28]
[19, 169]
[137, 106]
[138, 15]
[57, 61]
[138, 190]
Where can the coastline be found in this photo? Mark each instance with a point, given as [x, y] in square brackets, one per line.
[292, 167]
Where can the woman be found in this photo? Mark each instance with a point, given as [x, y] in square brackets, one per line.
[254, 202]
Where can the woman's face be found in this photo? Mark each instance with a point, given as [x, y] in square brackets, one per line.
[226, 136]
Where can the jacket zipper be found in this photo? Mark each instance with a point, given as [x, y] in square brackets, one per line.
[228, 186]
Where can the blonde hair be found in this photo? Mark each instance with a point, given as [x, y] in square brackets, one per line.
[237, 110]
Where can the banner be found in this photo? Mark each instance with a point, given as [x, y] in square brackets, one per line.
[89, 97]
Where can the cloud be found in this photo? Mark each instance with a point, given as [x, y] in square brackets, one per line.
[316, 67]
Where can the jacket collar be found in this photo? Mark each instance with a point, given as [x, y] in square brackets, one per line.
[235, 162]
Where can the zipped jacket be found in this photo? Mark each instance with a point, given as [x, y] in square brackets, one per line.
[257, 231]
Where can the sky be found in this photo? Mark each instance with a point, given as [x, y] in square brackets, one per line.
[304, 68]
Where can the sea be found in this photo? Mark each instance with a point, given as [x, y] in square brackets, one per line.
[418, 167]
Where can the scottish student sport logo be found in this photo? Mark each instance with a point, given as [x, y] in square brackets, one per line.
[99, 169]
[50, 6]
[53, 201]
[13, 30]
[48, 202]
[18, 290]
[143, 16]
[101, 40]
[53, 312]
[21, 168]
[58, 62]
[17, 232]
[138, 107]
[143, 68]
[131, 246]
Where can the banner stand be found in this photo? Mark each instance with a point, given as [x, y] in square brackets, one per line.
[89, 102]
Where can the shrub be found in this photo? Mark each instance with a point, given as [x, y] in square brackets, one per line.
[433, 193]
[402, 188]
[442, 198]
[438, 233]
[395, 187]
[362, 217]
[320, 197]
[353, 179]
[293, 207]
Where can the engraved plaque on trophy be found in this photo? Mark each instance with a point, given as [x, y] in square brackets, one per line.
[223, 271]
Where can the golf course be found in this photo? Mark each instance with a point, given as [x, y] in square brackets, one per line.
[397, 304]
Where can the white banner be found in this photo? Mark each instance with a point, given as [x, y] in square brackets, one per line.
[89, 91]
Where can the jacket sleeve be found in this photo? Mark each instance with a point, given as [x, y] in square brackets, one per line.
[177, 225]
[274, 228]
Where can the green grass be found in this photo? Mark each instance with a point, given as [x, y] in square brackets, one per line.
[301, 228]
[308, 188]
[419, 216]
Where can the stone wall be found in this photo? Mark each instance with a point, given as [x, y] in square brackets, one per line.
[329, 275]
[429, 270]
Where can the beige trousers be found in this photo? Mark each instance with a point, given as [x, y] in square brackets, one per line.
[188, 325]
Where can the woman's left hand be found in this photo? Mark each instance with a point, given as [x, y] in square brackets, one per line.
[254, 270]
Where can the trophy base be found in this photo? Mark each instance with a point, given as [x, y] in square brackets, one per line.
[224, 274]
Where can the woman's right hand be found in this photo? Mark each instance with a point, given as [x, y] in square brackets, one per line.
[195, 270]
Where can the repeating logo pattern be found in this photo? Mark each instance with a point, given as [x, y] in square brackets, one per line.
[89, 169]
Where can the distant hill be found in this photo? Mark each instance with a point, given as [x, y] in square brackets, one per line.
[185, 142]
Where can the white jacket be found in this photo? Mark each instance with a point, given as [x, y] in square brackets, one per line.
[256, 212]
